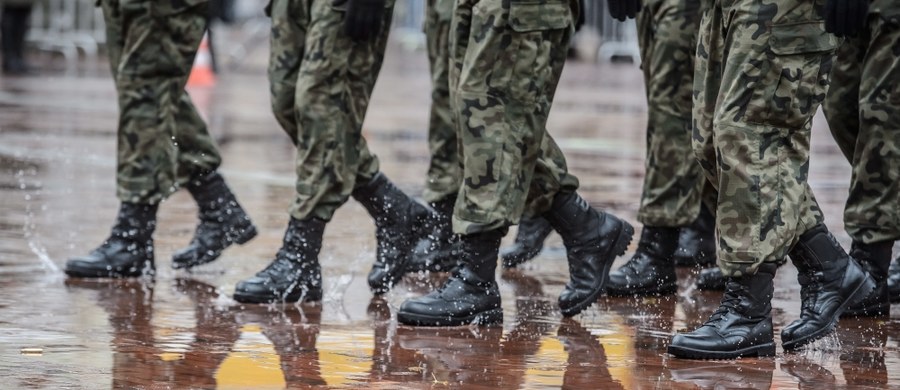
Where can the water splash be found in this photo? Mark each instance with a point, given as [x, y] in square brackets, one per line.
[29, 227]
[827, 347]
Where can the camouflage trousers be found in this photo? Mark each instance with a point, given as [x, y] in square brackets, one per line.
[763, 68]
[162, 140]
[506, 60]
[863, 111]
[321, 82]
[444, 171]
[673, 180]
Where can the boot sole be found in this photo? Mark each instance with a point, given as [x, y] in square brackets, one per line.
[75, 273]
[626, 234]
[246, 235]
[767, 349]
[490, 317]
[314, 296]
[110, 274]
[862, 291]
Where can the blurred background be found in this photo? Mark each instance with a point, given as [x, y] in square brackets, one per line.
[68, 35]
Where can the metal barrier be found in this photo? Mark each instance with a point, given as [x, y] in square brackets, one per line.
[67, 27]
[408, 23]
[617, 39]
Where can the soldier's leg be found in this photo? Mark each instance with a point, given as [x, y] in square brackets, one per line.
[511, 66]
[149, 79]
[443, 177]
[871, 217]
[484, 50]
[330, 98]
[673, 181]
[443, 171]
[223, 222]
[773, 80]
[860, 108]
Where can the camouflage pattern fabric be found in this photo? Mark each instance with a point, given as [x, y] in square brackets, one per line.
[444, 171]
[863, 111]
[763, 68]
[162, 140]
[506, 60]
[321, 82]
[673, 181]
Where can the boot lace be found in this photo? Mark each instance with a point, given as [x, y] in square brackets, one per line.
[730, 302]
[282, 265]
[810, 286]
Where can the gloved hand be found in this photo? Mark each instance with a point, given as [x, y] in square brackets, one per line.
[622, 9]
[846, 18]
[581, 15]
[363, 19]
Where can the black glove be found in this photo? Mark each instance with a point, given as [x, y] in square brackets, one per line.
[581, 15]
[846, 18]
[363, 19]
[623, 9]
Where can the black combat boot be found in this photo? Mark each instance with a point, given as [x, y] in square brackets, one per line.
[741, 326]
[711, 279]
[398, 222]
[295, 273]
[697, 242]
[470, 296]
[875, 259]
[893, 281]
[651, 270]
[435, 251]
[529, 242]
[830, 281]
[593, 240]
[222, 222]
[128, 252]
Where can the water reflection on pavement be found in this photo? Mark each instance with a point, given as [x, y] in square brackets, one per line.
[182, 330]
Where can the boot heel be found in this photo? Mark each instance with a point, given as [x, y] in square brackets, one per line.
[248, 234]
[866, 288]
[765, 350]
[490, 317]
[626, 235]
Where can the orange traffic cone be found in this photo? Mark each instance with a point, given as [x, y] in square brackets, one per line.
[202, 74]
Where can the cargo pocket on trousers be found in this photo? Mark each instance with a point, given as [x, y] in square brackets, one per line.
[796, 78]
[536, 26]
[539, 15]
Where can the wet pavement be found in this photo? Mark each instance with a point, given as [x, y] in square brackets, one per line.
[57, 160]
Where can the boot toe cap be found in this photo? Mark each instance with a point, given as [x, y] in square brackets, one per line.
[418, 306]
[255, 285]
